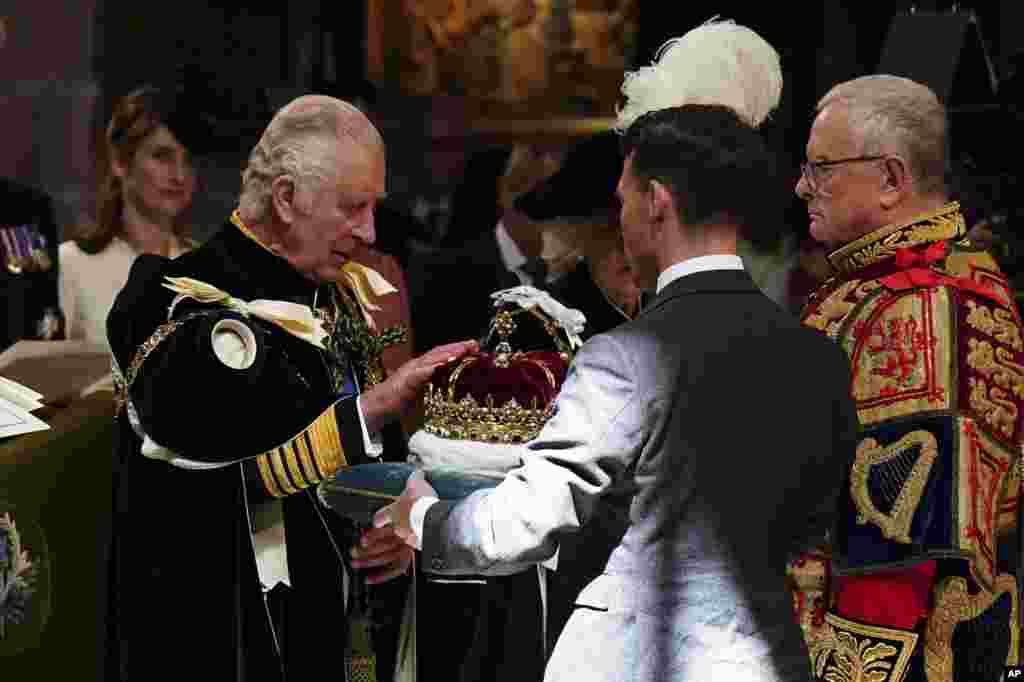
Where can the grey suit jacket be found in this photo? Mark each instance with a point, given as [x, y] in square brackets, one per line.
[734, 426]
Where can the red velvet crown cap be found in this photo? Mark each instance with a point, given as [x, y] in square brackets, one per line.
[495, 397]
[532, 379]
[506, 392]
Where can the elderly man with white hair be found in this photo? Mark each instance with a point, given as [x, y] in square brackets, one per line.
[249, 371]
[924, 557]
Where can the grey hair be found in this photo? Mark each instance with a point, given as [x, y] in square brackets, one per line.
[301, 143]
[894, 115]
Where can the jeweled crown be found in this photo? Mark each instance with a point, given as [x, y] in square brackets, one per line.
[506, 392]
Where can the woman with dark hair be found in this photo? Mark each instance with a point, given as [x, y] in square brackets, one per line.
[146, 185]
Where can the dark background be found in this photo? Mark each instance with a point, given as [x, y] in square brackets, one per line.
[64, 63]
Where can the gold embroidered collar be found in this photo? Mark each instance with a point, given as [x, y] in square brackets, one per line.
[360, 280]
[236, 220]
[882, 244]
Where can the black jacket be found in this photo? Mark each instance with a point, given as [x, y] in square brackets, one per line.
[28, 297]
[185, 579]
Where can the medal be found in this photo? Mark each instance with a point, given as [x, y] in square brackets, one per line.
[39, 253]
[23, 242]
[11, 259]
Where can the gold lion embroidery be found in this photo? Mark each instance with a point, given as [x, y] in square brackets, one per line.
[834, 307]
[896, 524]
[847, 651]
[997, 323]
[893, 357]
[992, 404]
[996, 365]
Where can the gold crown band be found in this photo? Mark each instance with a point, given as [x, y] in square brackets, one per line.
[469, 420]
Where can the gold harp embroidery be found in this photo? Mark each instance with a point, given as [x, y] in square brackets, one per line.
[953, 605]
[905, 495]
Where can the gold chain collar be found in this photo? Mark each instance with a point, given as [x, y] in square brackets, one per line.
[875, 247]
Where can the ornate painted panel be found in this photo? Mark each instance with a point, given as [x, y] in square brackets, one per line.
[511, 58]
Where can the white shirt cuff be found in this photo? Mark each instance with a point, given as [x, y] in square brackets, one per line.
[511, 255]
[417, 517]
[372, 444]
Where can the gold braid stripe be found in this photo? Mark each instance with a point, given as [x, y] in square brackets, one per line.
[282, 476]
[309, 463]
[269, 482]
[305, 458]
[288, 453]
[326, 441]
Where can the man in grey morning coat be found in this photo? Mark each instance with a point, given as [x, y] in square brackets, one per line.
[732, 423]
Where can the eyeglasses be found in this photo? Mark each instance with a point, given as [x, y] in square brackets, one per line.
[812, 170]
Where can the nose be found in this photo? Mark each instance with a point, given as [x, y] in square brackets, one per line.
[803, 188]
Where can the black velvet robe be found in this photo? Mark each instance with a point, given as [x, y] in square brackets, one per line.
[186, 598]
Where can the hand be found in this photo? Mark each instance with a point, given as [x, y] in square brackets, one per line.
[382, 552]
[397, 514]
[401, 390]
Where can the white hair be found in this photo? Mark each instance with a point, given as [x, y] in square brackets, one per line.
[301, 143]
[894, 115]
[718, 62]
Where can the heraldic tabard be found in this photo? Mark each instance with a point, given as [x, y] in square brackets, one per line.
[918, 582]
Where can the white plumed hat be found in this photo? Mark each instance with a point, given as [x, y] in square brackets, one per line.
[718, 62]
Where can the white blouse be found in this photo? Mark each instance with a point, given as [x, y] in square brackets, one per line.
[89, 282]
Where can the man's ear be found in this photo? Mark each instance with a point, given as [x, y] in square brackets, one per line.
[282, 196]
[661, 203]
[896, 181]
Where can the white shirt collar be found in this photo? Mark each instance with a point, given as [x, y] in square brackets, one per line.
[511, 255]
[698, 264]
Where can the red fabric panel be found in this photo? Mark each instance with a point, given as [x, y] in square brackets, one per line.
[896, 599]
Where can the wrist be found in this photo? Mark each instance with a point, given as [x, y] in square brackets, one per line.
[373, 409]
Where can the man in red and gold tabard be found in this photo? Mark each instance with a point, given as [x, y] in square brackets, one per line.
[919, 581]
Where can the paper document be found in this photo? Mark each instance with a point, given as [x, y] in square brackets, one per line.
[16, 403]
[22, 396]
